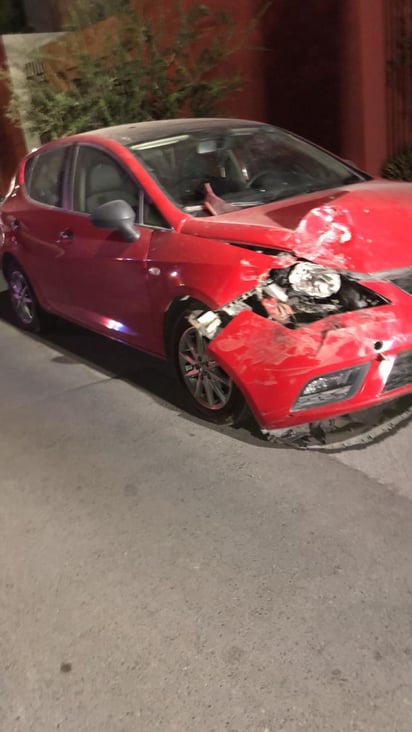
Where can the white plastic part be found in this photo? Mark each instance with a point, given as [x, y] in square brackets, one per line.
[207, 324]
[314, 280]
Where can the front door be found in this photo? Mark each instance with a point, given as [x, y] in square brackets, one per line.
[106, 275]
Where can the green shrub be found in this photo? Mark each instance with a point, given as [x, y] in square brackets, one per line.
[399, 166]
[152, 65]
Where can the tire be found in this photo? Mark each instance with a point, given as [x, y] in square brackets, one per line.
[210, 391]
[23, 300]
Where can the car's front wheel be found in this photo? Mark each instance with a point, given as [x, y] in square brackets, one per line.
[23, 299]
[210, 389]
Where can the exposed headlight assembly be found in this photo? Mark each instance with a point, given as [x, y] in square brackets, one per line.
[314, 280]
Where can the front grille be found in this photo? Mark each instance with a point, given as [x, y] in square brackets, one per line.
[403, 279]
[401, 374]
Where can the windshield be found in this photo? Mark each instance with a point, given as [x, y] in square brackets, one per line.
[217, 170]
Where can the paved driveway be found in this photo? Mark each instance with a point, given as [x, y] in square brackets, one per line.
[159, 573]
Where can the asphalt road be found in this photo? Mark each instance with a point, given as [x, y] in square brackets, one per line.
[157, 573]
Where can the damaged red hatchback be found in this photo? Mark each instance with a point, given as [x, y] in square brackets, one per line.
[267, 270]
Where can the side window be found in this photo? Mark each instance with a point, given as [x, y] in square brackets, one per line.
[152, 215]
[99, 179]
[44, 175]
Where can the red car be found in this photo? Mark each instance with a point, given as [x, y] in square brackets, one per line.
[269, 271]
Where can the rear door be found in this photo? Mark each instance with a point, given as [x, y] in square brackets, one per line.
[36, 218]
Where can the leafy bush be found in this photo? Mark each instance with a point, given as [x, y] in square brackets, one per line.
[399, 166]
[150, 65]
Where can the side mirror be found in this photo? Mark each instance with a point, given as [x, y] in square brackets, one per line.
[117, 215]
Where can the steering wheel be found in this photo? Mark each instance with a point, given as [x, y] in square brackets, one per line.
[258, 180]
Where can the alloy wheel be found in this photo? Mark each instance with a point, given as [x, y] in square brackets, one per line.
[22, 298]
[208, 384]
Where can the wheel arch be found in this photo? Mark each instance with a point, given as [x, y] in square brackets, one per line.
[238, 407]
[176, 308]
[7, 260]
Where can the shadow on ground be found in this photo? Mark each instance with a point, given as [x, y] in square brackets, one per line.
[117, 361]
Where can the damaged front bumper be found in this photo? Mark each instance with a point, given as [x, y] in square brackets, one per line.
[340, 364]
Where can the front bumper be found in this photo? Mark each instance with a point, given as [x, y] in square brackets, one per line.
[272, 364]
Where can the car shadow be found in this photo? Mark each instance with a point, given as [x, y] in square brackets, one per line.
[154, 376]
[118, 361]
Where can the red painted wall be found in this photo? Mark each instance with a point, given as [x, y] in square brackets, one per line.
[316, 67]
[322, 73]
[364, 84]
[248, 62]
[302, 68]
[325, 75]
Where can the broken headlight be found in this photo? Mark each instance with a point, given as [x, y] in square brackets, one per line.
[314, 280]
[294, 296]
[314, 292]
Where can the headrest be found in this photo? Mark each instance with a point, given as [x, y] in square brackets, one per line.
[105, 178]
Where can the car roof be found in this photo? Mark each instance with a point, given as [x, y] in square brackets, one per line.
[130, 134]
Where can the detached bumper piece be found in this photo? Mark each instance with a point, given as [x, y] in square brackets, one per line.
[401, 374]
[347, 431]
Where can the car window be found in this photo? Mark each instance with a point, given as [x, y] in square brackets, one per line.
[99, 179]
[44, 176]
[243, 166]
[152, 216]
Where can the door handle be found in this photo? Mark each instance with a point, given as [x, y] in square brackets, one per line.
[65, 235]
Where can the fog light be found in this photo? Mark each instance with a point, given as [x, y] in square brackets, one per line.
[333, 387]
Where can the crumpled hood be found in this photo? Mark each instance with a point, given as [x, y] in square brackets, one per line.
[362, 228]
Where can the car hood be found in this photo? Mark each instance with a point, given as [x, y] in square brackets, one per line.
[362, 228]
